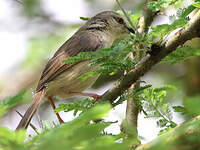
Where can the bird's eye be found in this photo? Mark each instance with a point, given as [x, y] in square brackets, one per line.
[120, 20]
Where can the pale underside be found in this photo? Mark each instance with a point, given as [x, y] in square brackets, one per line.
[69, 81]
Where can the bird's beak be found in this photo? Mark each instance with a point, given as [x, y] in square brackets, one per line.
[130, 30]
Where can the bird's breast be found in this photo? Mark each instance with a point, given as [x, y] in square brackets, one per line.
[69, 81]
[106, 38]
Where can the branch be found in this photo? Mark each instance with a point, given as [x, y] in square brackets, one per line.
[131, 109]
[192, 31]
[148, 16]
[184, 136]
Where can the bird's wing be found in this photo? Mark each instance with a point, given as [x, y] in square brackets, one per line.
[81, 42]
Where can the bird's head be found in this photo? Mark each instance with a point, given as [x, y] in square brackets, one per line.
[109, 21]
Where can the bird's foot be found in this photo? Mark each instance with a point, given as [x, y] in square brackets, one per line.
[95, 96]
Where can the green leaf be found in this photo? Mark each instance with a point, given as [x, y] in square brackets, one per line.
[151, 101]
[180, 20]
[181, 54]
[82, 106]
[157, 5]
[135, 18]
[180, 109]
[12, 139]
[184, 12]
[162, 123]
[10, 102]
[84, 18]
[110, 60]
[163, 30]
[165, 108]
[82, 134]
[166, 88]
[196, 4]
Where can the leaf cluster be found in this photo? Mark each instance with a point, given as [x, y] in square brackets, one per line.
[182, 53]
[196, 4]
[79, 133]
[159, 33]
[111, 60]
[77, 106]
[151, 101]
[190, 108]
[158, 5]
[180, 20]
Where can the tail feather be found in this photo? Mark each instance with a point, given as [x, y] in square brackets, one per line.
[32, 109]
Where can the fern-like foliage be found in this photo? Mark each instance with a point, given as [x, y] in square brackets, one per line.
[78, 134]
[158, 5]
[151, 101]
[196, 4]
[111, 60]
[182, 53]
[81, 106]
[180, 20]
[10, 102]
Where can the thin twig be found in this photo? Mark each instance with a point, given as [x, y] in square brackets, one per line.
[18, 1]
[39, 120]
[32, 126]
[127, 17]
[148, 16]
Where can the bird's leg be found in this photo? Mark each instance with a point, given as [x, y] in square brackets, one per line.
[54, 107]
[95, 96]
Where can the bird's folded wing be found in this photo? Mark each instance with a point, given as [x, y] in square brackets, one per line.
[82, 42]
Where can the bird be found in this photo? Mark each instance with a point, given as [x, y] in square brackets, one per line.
[61, 79]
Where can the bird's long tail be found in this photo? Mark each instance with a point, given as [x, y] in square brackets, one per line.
[32, 109]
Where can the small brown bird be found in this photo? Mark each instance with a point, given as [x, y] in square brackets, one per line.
[61, 79]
